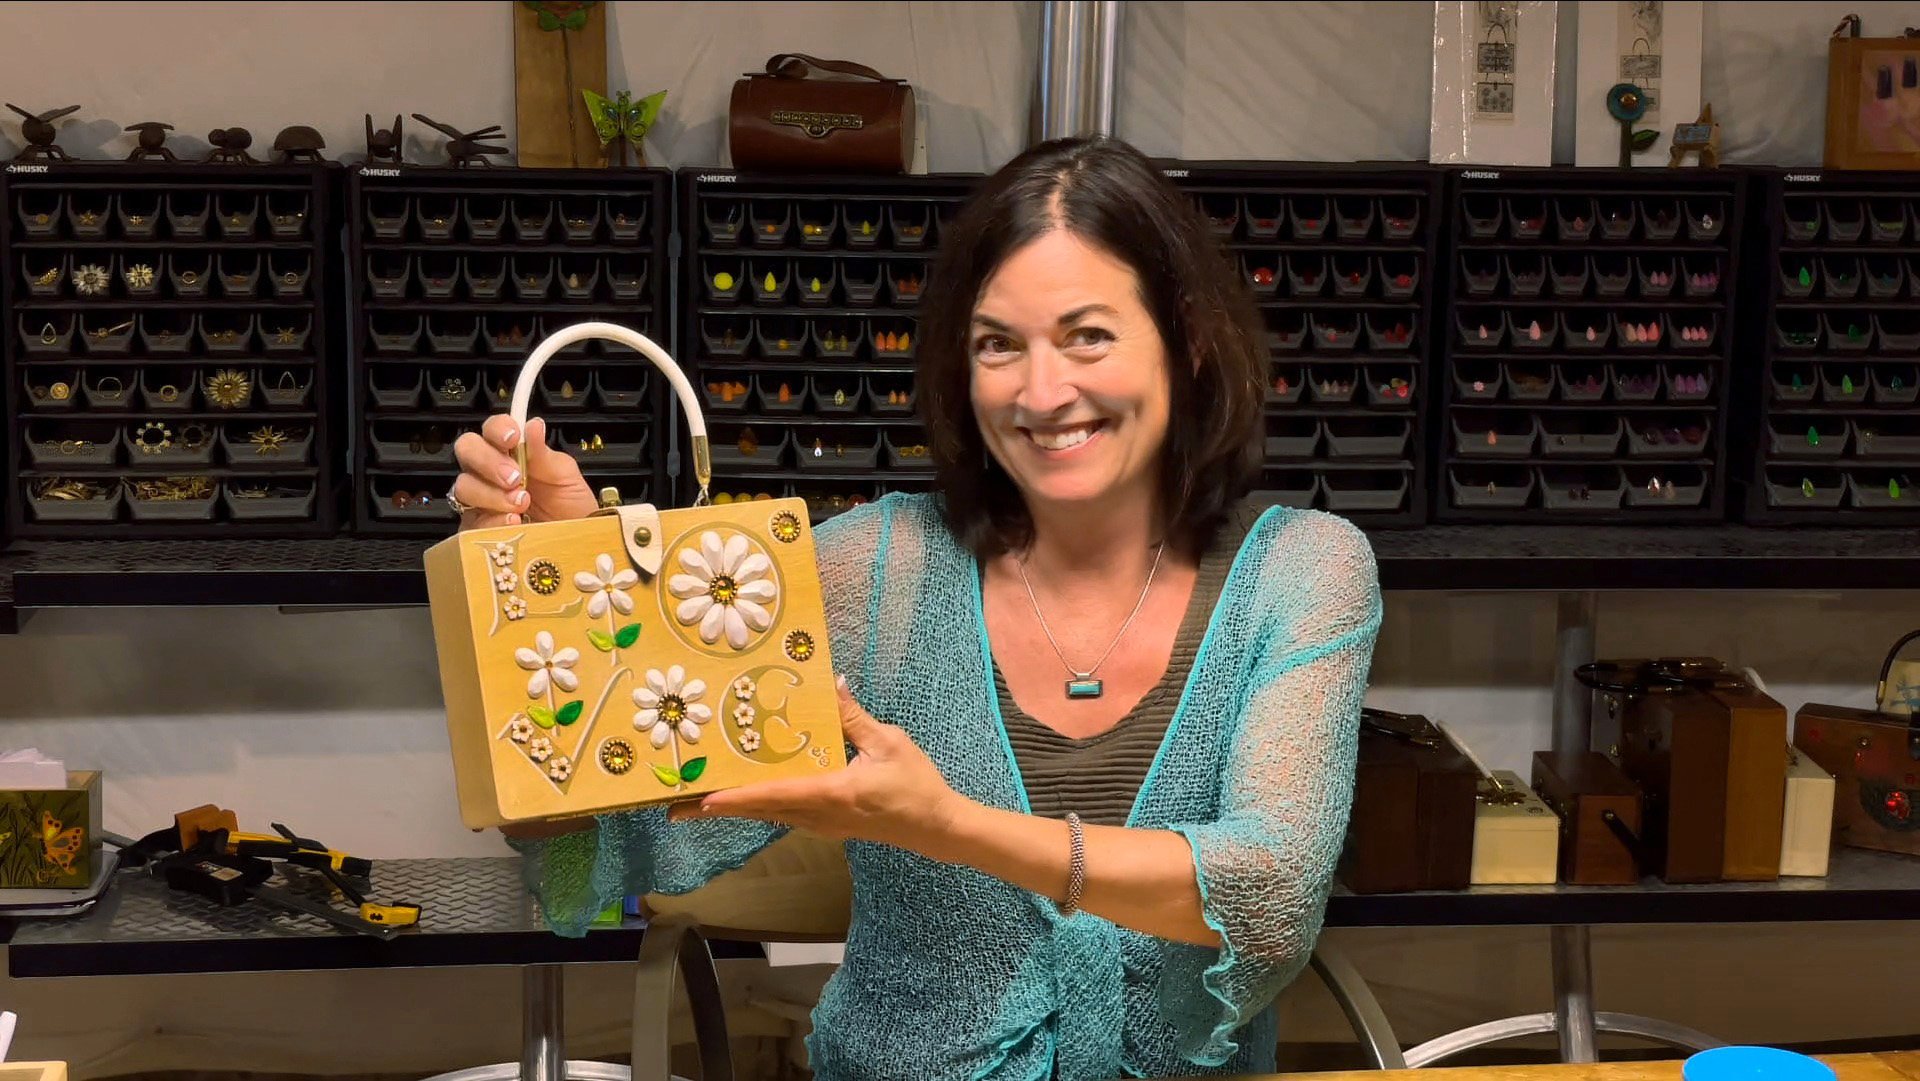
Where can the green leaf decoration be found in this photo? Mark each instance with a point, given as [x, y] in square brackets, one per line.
[1644, 139]
[693, 769]
[541, 715]
[628, 635]
[570, 712]
[641, 117]
[668, 776]
[601, 640]
[548, 21]
[575, 21]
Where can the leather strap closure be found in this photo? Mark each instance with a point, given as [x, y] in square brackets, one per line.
[640, 532]
[795, 65]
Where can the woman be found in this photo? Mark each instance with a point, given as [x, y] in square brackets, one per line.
[1106, 712]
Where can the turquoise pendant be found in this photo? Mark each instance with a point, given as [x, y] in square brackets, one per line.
[1083, 688]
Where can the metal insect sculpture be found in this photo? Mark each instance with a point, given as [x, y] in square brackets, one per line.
[230, 146]
[383, 145]
[298, 142]
[466, 148]
[153, 142]
[624, 120]
[38, 130]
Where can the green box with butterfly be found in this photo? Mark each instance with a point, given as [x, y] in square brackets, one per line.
[50, 837]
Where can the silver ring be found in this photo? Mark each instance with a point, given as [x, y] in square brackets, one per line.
[458, 507]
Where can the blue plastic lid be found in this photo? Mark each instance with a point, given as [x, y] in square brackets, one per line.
[1754, 1064]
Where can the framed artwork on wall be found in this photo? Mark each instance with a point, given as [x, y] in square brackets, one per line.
[1873, 100]
[1493, 64]
[1654, 45]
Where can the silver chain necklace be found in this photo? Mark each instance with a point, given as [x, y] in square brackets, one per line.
[1083, 684]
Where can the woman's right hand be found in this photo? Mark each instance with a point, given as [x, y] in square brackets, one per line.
[494, 492]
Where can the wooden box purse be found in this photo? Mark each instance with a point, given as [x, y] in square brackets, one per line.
[1411, 826]
[636, 656]
[1516, 836]
[1874, 756]
[1704, 745]
[1806, 835]
[1600, 809]
[1872, 87]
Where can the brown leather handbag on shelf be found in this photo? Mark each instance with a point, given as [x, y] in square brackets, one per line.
[807, 115]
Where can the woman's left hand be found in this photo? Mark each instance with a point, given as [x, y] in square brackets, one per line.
[892, 793]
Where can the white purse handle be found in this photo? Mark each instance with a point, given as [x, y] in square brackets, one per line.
[632, 339]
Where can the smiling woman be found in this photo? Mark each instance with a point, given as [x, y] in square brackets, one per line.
[1104, 712]
[1081, 302]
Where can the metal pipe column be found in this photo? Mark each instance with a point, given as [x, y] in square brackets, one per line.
[1063, 56]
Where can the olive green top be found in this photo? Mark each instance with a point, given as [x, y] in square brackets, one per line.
[1099, 777]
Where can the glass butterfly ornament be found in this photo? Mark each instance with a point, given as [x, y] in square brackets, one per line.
[623, 119]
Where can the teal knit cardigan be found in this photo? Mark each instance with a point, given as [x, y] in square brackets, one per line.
[951, 973]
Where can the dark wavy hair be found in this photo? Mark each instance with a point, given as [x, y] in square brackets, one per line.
[1109, 195]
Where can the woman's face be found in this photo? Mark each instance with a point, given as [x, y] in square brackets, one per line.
[1070, 377]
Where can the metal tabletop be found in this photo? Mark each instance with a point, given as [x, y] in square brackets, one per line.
[474, 911]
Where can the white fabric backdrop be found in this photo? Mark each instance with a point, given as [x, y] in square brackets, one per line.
[1323, 80]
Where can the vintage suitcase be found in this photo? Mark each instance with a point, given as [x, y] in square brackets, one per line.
[1806, 835]
[1704, 745]
[1600, 816]
[637, 656]
[50, 837]
[1516, 836]
[1412, 822]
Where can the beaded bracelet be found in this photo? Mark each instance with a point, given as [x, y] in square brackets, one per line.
[1077, 867]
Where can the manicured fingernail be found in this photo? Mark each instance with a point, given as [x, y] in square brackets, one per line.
[513, 436]
[510, 476]
[520, 498]
[513, 519]
[840, 681]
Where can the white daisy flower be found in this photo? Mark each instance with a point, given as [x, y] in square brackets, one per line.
[724, 589]
[749, 741]
[743, 716]
[502, 553]
[540, 749]
[670, 703]
[504, 580]
[547, 666]
[515, 608]
[607, 587]
[743, 688]
[521, 730]
[560, 768]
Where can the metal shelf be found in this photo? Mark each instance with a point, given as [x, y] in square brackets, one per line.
[387, 572]
[1860, 885]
